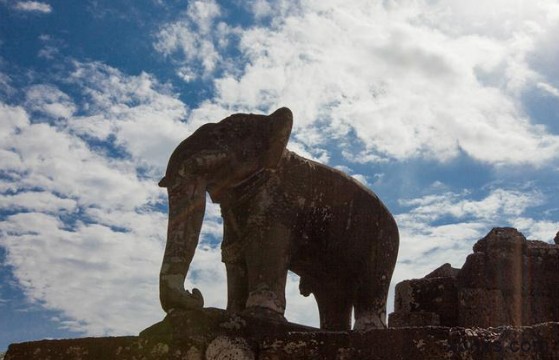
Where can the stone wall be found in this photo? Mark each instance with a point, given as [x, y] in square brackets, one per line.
[507, 280]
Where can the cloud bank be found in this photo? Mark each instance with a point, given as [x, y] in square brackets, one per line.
[410, 79]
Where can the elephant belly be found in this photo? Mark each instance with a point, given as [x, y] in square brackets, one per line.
[336, 240]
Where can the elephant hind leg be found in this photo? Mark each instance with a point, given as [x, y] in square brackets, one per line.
[372, 317]
[372, 291]
[237, 286]
[334, 306]
[370, 300]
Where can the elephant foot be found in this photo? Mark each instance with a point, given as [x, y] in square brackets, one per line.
[369, 322]
[178, 298]
[264, 314]
[265, 298]
[265, 304]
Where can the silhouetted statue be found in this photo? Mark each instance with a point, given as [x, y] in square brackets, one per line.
[280, 212]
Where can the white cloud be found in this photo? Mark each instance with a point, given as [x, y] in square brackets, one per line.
[37, 201]
[499, 203]
[33, 6]
[261, 8]
[56, 161]
[144, 117]
[194, 41]
[533, 229]
[101, 277]
[549, 89]
[203, 13]
[77, 268]
[14, 118]
[6, 87]
[49, 101]
[447, 84]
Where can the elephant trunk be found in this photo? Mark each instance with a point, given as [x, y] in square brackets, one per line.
[187, 204]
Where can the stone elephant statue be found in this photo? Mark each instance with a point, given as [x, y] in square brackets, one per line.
[280, 212]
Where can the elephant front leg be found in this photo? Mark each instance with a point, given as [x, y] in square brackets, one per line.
[267, 259]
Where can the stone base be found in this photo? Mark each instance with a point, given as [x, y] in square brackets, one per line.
[215, 334]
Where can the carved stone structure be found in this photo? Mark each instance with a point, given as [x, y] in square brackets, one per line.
[280, 212]
[508, 280]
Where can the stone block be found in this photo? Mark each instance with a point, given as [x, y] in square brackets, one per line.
[433, 295]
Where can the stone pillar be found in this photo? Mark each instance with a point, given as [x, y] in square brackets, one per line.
[491, 281]
[431, 301]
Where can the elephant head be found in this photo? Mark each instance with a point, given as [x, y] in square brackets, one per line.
[215, 159]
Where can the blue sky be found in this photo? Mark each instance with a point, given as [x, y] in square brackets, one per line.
[449, 110]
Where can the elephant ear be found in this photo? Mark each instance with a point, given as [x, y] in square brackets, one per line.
[281, 122]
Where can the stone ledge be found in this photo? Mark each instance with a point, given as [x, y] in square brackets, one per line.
[533, 342]
[125, 347]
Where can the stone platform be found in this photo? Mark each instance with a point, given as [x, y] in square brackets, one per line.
[215, 334]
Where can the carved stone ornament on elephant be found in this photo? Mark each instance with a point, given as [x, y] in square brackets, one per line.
[280, 212]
